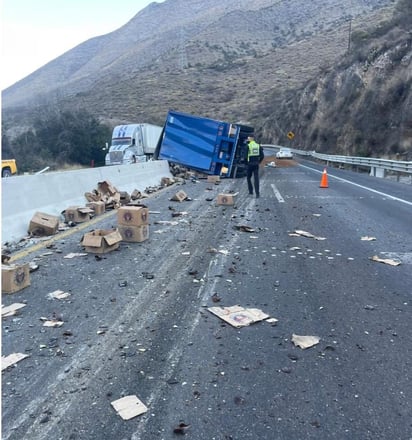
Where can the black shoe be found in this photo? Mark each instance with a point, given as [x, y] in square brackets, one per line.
[257, 196]
[250, 193]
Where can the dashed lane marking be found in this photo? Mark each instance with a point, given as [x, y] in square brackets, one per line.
[277, 193]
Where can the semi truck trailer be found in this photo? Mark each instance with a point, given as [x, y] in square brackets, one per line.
[203, 144]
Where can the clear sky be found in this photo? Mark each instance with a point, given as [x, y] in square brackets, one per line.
[34, 32]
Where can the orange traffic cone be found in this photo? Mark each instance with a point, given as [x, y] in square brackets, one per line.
[324, 179]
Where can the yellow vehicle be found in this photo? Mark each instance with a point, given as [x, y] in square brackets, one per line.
[8, 167]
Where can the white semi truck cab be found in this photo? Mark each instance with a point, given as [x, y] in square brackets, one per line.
[133, 143]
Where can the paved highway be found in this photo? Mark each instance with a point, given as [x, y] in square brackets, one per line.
[137, 321]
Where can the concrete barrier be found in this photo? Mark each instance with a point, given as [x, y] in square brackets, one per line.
[53, 192]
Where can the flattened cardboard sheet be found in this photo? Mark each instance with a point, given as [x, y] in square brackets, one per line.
[238, 316]
[129, 406]
[11, 359]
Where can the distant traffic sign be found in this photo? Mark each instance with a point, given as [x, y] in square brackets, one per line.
[291, 135]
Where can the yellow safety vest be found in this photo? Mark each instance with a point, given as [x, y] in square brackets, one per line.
[253, 149]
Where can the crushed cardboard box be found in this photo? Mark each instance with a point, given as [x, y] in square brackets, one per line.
[77, 214]
[97, 206]
[106, 193]
[136, 195]
[133, 216]
[135, 234]
[179, 196]
[124, 197]
[43, 224]
[101, 241]
[106, 187]
[166, 181]
[14, 277]
[93, 196]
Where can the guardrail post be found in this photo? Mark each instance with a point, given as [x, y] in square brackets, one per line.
[377, 172]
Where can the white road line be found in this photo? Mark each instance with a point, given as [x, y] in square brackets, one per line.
[363, 187]
[277, 193]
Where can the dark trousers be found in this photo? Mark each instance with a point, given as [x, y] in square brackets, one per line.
[253, 169]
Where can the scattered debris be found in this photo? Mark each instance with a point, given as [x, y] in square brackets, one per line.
[244, 228]
[305, 341]
[218, 251]
[75, 255]
[271, 164]
[389, 261]
[166, 222]
[181, 428]
[299, 233]
[238, 316]
[58, 294]
[179, 213]
[129, 406]
[11, 310]
[366, 238]
[33, 266]
[216, 298]
[11, 359]
[54, 322]
[273, 321]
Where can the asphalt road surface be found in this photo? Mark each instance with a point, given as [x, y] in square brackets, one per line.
[137, 320]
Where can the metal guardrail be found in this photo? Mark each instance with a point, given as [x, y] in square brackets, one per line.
[399, 166]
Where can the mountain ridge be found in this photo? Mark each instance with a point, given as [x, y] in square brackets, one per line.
[228, 61]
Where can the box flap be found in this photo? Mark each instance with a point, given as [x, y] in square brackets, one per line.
[113, 237]
[86, 210]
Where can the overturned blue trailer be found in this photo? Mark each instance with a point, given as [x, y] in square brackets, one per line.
[203, 144]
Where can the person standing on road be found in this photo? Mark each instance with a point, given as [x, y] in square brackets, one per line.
[255, 155]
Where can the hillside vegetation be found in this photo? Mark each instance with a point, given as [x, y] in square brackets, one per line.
[361, 105]
[337, 73]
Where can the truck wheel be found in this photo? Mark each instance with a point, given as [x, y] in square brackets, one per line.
[6, 172]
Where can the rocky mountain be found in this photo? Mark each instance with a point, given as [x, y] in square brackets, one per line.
[264, 63]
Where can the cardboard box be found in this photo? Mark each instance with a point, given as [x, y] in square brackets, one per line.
[106, 187]
[98, 207]
[93, 196]
[213, 179]
[43, 224]
[77, 214]
[134, 233]
[101, 241]
[124, 197]
[166, 181]
[14, 277]
[133, 216]
[135, 195]
[226, 199]
[179, 196]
